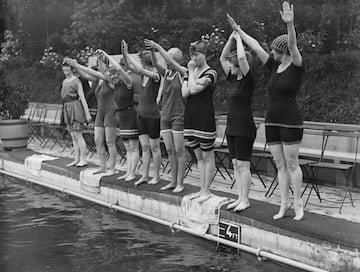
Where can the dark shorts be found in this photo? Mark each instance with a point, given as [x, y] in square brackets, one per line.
[175, 123]
[105, 119]
[240, 148]
[127, 123]
[150, 126]
[278, 135]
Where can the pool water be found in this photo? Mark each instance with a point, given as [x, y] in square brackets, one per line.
[43, 230]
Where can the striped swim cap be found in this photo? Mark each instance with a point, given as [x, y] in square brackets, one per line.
[280, 43]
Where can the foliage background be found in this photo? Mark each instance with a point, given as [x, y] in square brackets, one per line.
[328, 34]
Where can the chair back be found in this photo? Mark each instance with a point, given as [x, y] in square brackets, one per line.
[38, 113]
[28, 112]
[53, 114]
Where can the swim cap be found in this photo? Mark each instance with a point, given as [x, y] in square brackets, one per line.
[198, 46]
[176, 54]
[280, 43]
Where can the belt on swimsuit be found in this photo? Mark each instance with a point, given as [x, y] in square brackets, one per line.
[123, 108]
[70, 98]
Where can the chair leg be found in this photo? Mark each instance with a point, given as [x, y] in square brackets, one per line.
[343, 200]
[271, 190]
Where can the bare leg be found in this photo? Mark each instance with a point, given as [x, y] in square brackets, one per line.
[209, 162]
[99, 135]
[283, 178]
[238, 185]
[110, 136]
[245, 183]
[201, 166]
[170, 149]
[134, 151]
[76, 149]
[291, 155]
[128, 160]
[156, 154]
[146, 157]
[82, 149]
[181, 160]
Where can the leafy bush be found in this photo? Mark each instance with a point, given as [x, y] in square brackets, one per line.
[51, 59]
[14, 99]
[11, 54]
[43, 84]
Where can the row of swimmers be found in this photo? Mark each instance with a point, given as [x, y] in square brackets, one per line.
[187, 111]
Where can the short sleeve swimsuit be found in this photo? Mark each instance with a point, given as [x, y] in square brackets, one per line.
[283, 110]
[199, 120]
[74, 114]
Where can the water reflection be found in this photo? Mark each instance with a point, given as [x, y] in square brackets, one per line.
[45, 231]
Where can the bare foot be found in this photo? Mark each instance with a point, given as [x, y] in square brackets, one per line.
[100, 171]
[130, 177]
[233, 205]
[141, 180]
[123, 176]
[72, 163]
[178, 189]
[196, 195]
[203, 198]
[111, 172]
[299, 211]
[153, 181]
[168, 187]
[81, 164]
[299, 217]
[282, 211]
[242, 206]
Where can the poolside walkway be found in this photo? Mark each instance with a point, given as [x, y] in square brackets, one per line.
[331, 196]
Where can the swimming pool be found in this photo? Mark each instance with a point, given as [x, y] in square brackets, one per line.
[42, 230]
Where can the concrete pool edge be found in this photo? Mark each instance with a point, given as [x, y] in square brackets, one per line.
[258, 235]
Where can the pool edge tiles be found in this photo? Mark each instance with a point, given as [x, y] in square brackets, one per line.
[166, 206]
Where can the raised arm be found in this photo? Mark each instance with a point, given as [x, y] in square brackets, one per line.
[287, 15]
[125, 53]
[169, 60]
[156, 63]
[137, 68]
[241, 55]
[124, 76]
[225, 53]
[250, 41]
[81, 68]
[86, 76]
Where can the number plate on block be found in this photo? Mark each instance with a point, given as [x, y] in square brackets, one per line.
[229, 231]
